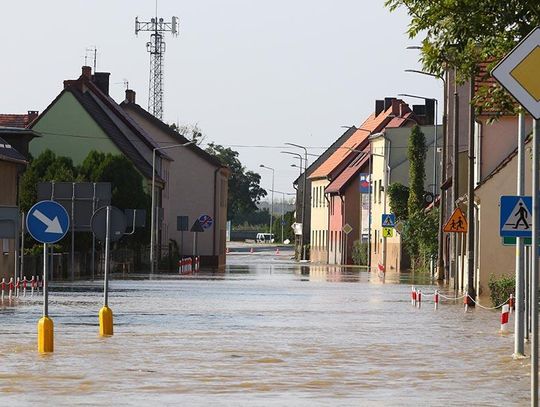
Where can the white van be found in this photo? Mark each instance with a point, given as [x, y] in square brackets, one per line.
[265, 238]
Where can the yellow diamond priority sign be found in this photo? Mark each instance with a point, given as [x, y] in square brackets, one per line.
[518, 73]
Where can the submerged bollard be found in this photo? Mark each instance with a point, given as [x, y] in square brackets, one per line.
[24, 284]
[10, 286]
[436, 299]
[505, 312]
[32, 285]
[17, 287]
[419, 298]
[413, 296]
[3, 286]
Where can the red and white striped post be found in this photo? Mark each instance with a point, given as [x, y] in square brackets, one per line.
[419, 298]
[17, 287]
[413, 296]
[505, 313]
[10, 286]
[436, 299]
[3, 286]
[32, 285]
[511, 303]
[24, 284]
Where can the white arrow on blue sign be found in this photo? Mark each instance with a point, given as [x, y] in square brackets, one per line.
[47, 222]
[516, 218]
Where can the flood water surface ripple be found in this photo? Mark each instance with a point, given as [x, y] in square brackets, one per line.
[262, 334]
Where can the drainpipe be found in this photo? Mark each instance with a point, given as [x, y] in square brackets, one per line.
[215, 214]
[455, 177]
[470, 205]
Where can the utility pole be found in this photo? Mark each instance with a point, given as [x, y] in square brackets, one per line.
[470, 206]
[156, 47]
[455, 177]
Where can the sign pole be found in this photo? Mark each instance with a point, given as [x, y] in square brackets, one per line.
[535, 242]
[105, 313]
[45, 324]
[519, 341]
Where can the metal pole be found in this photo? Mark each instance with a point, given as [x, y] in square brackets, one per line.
[272, 205]
[369, 210]
[153, 215]
[519, 341]
[385, 187]
[22, 241]
[107, 246]
[72, 224]
[455, 178]
[535, 243]
[442, 201]
[470, 206]
[93, 259]
[304, 208]
[435, 149]
[45, 284]
[282, 214]
[527, 293]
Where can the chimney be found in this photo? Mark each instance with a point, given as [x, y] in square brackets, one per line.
[87, 72]
[101, 80]
[388, 103]
[430, 111]
[130, 96]
[379, 107]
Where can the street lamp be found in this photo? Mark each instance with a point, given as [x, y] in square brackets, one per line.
[272, 199]
[303, 196]
[153, 223]
[442, 201]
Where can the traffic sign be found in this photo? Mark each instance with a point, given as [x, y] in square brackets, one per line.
[399, 227]
[206, 221]
[347, 229]
[364, 183]
[387, 232]
[47, 222]
[518, 73]
[457, 222]
[117, 224]
[511, 241]
[388, 220]
[516, 217]
[197, 227]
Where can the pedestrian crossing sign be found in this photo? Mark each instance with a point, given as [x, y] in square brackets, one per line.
[516, 218]
[387, 232]
[457, 222]
[388, 220]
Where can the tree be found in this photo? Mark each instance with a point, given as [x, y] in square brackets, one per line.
[189, 131]
[244, 186]
[462, 34]
[416, 153]
[399, 196]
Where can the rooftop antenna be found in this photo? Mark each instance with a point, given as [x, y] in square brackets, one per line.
[156, 47]
[91, 50]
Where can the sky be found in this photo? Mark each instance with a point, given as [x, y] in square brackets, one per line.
[252, 75]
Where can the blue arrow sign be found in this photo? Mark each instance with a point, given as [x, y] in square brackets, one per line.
[206, 221]
[516, 217]
[388, 220]
[47, 222]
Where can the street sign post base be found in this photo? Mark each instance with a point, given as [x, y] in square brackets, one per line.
[45, 335]
[105, 321]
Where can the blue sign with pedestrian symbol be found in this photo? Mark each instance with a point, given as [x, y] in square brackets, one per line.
[206, 221]
[516, 218]
[388, 220]
[47, 222]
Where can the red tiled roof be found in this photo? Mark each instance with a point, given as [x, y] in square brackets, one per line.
[347, 175]
[373, 124]
[17, 120]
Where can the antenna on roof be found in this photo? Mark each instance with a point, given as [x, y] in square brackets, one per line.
[91, 50]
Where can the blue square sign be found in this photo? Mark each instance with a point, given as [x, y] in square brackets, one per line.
[388, 220]
[516, 218]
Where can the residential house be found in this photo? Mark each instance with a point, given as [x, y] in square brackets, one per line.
[305, 202]
[12, 163]
[324, 174]
[390, 164]
[199, 176]
[83, 117]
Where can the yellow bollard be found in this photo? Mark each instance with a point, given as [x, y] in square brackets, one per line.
[105, 321]
[45, 335]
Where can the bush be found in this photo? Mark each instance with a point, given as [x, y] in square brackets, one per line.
[360, 253]
[501, 288]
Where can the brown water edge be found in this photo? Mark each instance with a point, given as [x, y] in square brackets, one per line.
[267, 332]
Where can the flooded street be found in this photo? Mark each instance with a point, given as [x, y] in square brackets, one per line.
[264, 332]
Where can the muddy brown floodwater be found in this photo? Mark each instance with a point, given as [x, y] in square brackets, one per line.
[264, 332]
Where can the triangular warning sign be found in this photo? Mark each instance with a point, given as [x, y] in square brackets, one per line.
[197, 227]
[457, 222]
[519, 219]
[387, 221]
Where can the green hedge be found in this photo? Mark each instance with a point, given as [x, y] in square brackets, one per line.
[501, 288]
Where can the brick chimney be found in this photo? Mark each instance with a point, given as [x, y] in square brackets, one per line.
[130, 96]
[101, 80]
[379, 107]
[87, 72]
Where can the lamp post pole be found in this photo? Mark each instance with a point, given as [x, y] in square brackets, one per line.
[272, 196]
[153, 203]
[303, 197]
